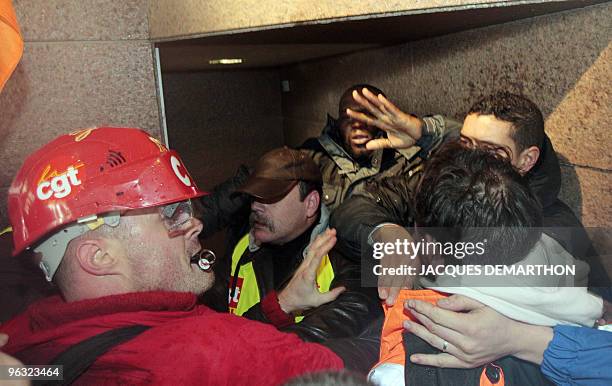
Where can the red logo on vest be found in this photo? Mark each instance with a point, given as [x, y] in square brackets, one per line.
[233, 298]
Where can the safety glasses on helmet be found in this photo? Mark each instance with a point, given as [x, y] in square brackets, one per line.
[177, 217]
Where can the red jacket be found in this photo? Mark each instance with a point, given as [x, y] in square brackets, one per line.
[187, 344]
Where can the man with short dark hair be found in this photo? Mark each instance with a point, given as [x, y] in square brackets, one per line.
[502, 121]
[479, 196]
[472, 195]
[510, 121]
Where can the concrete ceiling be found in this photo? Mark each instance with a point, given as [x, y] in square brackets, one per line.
[282, 45]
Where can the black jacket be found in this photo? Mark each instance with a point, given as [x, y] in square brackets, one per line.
[345, 317]
[560, 222]
[516, 372]
[348, 316]
[390, 200]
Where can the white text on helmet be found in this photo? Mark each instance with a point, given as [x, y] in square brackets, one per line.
[59, 186]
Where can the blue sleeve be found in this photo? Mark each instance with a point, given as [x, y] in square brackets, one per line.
[579, 356]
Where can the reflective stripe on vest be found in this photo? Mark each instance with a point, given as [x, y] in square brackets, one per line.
[246, 294]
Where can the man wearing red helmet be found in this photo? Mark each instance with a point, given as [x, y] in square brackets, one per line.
[107, 215]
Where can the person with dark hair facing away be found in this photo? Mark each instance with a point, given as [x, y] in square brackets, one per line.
[500, 121]
[467, 196]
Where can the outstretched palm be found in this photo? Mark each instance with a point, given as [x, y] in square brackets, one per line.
[302, 293]
[402, 129]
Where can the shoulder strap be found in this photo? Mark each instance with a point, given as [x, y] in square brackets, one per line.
[79, 357]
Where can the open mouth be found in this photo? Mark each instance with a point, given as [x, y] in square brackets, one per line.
[360, 139]
[193, 260]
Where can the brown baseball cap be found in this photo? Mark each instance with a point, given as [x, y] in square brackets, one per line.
[277, 172]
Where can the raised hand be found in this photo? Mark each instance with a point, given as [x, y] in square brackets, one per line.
[302, 293]
[403, 130]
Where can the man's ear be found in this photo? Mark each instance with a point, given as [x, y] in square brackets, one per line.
[97, 257]
[527, 159]
[312, 202]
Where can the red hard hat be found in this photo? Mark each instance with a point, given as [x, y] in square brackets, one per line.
[90, 172]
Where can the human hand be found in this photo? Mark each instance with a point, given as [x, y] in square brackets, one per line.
[472, 334]
[389, 286]
[302, 293]
[606, 317]
[5, 359]
[403, 130]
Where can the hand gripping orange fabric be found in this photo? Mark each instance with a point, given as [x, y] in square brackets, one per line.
[11, 43]
[391, 345]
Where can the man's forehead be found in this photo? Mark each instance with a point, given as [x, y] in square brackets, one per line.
[488, 129]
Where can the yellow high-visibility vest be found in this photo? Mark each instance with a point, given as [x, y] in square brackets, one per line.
[246, 294]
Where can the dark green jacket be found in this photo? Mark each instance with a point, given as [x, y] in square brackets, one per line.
[343, 176]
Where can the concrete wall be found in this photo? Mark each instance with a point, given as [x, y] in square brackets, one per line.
[180, 18]
[85, 63]
[220, 119]
[561, 61]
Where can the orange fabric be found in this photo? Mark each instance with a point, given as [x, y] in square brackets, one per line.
[484, 380]
[391, 347]
[11, 43]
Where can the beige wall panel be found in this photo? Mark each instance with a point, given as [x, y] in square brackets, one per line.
[58, 87]
[588, 192]
[175, 18]
[562, 62]
[579, 126]
[52, 20]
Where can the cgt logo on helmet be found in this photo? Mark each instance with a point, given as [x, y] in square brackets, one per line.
[58, 185]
